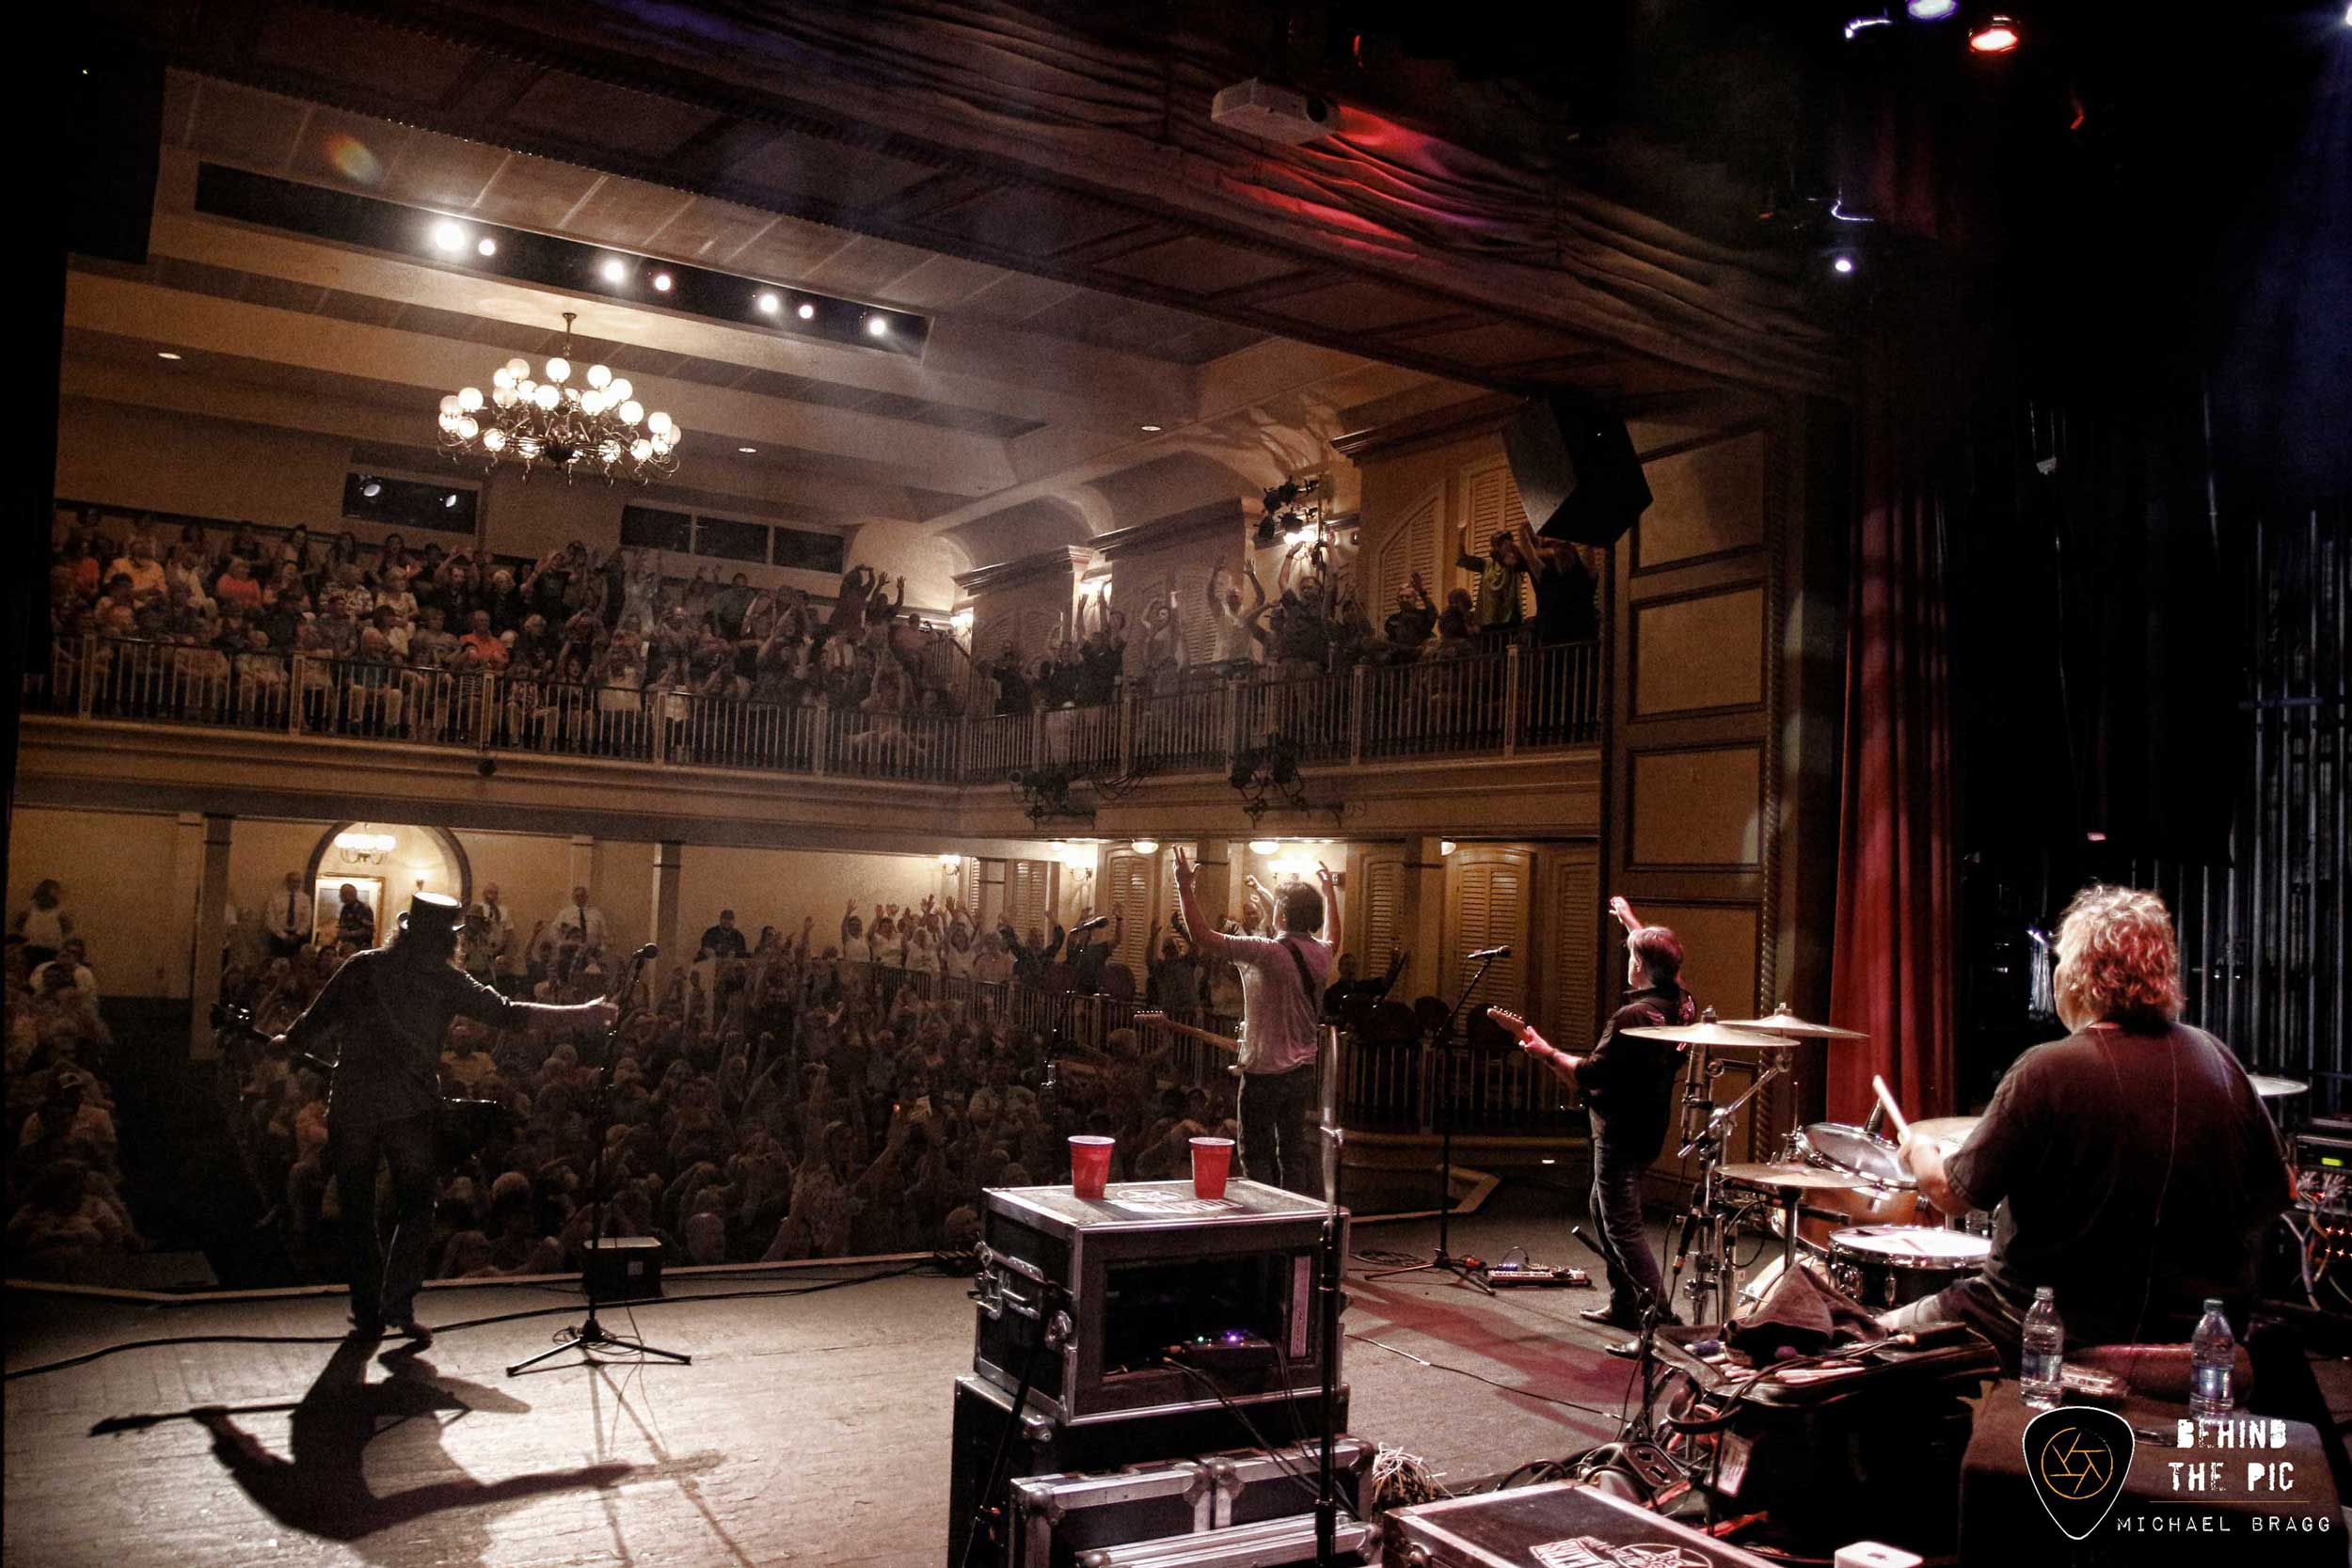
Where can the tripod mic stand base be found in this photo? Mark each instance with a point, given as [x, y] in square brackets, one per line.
[591, 1336]
[1440, 1262]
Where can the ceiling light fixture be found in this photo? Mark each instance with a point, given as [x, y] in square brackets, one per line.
[878, 327]
[1149, 429]
[767, 303]
[747, 449]
[486, 246]
[1931, 11]
[1996, 37]
[1843, 263]
[661, 282]
[166, 353]
[527, 421]
[807, 313]
[1145, 845]
[614, 269]
[448, 236]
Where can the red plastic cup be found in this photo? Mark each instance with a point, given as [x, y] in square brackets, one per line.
[1212, 1162]
[1090, 1164]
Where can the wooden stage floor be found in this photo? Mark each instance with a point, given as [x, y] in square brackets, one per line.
[812, 1428]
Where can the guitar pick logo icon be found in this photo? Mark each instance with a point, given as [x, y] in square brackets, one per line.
[2076, 1457]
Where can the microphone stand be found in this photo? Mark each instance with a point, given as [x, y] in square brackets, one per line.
[1443, 1260]
[1332, 1302]
[591, 1336]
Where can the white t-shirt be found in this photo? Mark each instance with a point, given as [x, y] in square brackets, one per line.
[1281, 1025]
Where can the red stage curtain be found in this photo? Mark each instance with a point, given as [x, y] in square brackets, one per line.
[1898, 936]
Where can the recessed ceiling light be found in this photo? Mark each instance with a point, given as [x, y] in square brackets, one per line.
[614, 269]
[661, 282]
[747, 449]
[876, 326]
[487, 246]
[1149, 429]
[768, 304]
[448, 236]
[166, 353]
[807, 311]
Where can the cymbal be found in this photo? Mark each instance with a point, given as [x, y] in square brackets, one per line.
[2267, 1087]
[1708, 1033]
[1946, 1129]
[1788, 1177]
[1783, 1022]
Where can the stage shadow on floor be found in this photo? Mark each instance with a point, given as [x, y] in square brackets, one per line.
[323, 1489]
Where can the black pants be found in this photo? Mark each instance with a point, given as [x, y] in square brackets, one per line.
[384, 1280]
[1615, 1206]
[1278, 1144]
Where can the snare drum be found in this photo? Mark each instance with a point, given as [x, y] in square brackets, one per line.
[1883, 1266]
[1885, 1194]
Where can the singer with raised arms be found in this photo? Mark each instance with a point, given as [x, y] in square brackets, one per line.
[389, 1011]
[1627, 1083]
[1282, 981]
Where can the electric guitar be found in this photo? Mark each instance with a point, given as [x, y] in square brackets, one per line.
[1223, 1042]
[1518, 1028]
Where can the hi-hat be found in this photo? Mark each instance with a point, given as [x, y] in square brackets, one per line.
[1783, 1022]
[1950, 1130]
[2266, 1085]
[1708, 1033]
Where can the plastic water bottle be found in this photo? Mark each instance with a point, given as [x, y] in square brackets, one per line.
[2042, 1362]
[2213, 1359]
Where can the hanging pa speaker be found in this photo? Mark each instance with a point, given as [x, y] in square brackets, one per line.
[1575, 467]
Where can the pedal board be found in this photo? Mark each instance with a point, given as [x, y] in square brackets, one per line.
[1536, 1277]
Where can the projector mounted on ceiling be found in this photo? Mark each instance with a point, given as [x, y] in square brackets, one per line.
[1263, 109]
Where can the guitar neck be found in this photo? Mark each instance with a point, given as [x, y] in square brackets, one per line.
[1195, 1031]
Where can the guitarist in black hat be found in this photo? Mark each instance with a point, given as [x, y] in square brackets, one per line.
[389, 1008]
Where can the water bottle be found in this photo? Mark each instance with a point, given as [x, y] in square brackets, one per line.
[2213, 1357]
[2042, 1363]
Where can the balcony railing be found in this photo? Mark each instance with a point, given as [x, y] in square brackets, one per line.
[1493, 703]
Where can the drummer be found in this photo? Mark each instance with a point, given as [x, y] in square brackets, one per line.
[1629, 1086]
[2130, 1166]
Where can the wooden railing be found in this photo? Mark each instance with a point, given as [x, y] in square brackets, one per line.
[1493, 703]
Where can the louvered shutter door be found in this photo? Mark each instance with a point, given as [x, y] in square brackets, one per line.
[1024, 895]
[1127, 882]
[1490, 908]
[1384, 906]
[1574, 1017]
[1491, 505]
[1410, 547]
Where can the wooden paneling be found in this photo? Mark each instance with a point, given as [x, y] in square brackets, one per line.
[1719, 948]
[1026, 896]
[1488, 899]
[1407, 545]
[1704, 651]
[1697, 806]
[1704, 502]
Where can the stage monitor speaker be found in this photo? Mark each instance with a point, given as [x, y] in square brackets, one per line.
[1576, 474]
[113, 99]
[624, 1268]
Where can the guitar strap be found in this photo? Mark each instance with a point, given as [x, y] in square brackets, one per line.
[1306, 980]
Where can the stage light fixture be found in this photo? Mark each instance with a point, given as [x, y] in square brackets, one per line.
[767, 303]
[166, 353]
[373, 488]
[661, 282]
[449, 502]
[878, 327]
[486, 246]
[1996, 37]
[747, 449]
[807, 313]
[448, 236]
[1843, 263]
[614, 269]
[1931, 11]
[1860, 24]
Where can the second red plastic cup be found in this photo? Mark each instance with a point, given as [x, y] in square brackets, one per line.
[1090, 1164]
[1212, 1162]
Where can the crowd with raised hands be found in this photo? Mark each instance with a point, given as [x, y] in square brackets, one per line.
[67, 1216]
[234, 604]
[783, 1096]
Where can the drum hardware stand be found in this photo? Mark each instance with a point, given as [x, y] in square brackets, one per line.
[1704, 1224]
[1443, 1260]
[591, 1336]
[1332, 1302]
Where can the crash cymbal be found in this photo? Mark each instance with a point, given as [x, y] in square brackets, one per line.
[1708, 1033]
[1783, 1022]
[2276, 1089]
[1788, 1177]
[1950, 1130]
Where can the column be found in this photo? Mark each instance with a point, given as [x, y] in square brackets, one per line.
[211, 930]
[1423, 917]
[669, 859]
[583, 864]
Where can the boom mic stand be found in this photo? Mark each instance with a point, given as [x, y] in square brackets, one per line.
[591, 1336]
[1444, 1260]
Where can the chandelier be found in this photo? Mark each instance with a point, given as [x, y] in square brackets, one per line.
[552, 419]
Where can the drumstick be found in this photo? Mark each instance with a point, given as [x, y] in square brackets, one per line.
[1894, 1112]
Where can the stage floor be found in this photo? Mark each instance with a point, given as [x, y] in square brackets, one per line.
[812, 1428]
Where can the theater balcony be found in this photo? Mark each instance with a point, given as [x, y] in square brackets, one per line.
[1504, 740]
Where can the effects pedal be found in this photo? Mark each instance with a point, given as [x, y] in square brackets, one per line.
[1535, 1276]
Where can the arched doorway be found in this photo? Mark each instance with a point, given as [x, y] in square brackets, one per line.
[383, 863]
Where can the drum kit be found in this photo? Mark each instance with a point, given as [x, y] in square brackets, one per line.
[1840, 1197]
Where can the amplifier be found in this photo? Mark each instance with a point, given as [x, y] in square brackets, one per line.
[622, 1268]
[1170, 1301]
[2317, 1150]
[1561, 1524]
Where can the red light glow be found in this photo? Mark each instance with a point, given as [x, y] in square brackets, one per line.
[1996, 37]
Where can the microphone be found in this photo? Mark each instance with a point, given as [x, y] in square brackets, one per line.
[1877, 1118]
[646, 953]
[1085, 926]
[1484, 952]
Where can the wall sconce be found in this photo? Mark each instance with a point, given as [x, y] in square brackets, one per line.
[1145, 845]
